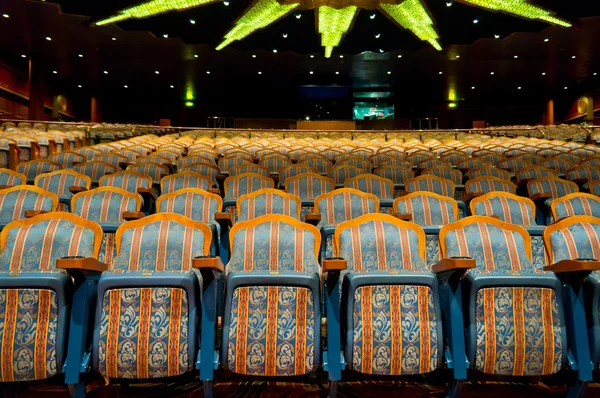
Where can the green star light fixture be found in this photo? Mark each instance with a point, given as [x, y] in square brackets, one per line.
[335, 17]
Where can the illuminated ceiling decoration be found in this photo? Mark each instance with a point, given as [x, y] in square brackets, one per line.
[151, 8]
[335, 17]
[333, 24]
[260, 14]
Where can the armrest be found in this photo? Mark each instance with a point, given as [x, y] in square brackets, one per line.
[312, 218]
[148, 191]
[224, 218]
[76, 189]
[214, 190]
[123, 165]
[5, 186]
[334, 264]
[207, 262]
[403, 216]
[81, 264]
[543, 195]
[454, 264]
[33, 213]
[133, 215]
[473, 195]
[573, 266]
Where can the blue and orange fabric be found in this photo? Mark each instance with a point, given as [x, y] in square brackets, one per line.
[156, 171]
[10, 178]
[226, 163]
[267, 201]
[105, 206]
[276, 347]
[551, 187]
[308, 186]
[341, 173]
[486, 184]
[5, 147]
[112, 159]
[369, 183]
[508, 207]
[594, 188]
[33, 318]
[185, 179]
[488, 156]
[130, 154]
[518, 329]
[275, 163]
[431, 183]
[67, 159]
[582, 174]
[59, 182]
[154, 158]
[533, 173]
[454, 157]
[198, 157]
[344, 204]
[576, 237]
[431, 163]
[445, 172]
[394, 328]
[364, 164]
[244, 184]
[195, 204]
[399, 175]
[204, 169]
[33, 168]
[576, 204]
[124, 346]
[249, 168]
[172, 154]
[292, 171]
[127, 180]
[427, 208]
[95, 170]
[15, 201]
[394, 162]
[489, 172]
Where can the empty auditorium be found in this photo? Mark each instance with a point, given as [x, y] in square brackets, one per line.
[299, 198]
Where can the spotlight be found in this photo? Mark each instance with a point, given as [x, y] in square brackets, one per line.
[193, 21]
[476, 21]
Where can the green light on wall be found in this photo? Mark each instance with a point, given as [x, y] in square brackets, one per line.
[189, 104]
[452, 105]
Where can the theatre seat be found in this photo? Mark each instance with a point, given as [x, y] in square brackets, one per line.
[267, 201]
[34, 168]
[185, 179]
[17, 202]
[576, 204]
[60, 183]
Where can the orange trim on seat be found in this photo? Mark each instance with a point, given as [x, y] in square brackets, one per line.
[120, 191]
[198, 191]
[273, 191]
[88, 180]
[326, 195]
[34, 189]
[512, 196]
[562, 224]
[427, 193]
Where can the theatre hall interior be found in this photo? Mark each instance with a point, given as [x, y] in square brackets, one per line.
[299, 198]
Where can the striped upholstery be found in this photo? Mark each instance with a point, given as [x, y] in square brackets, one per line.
[33, 319]
[59, 182]
[186, 179]
[363, 164]
[431, 163]
[95, 170]
[508, 207]
[595, 188]
[244, 184]
[489, 157]
[292, 171]
[273, 164]
[34, 168]
[416, 158]
[154, 158]
[11, 178]
[472, 164]
[369, 183]
[344, 204]
[445, 172]
[489, 172]
[488, 184]
[15, 201]
[309, 185]
[130, 154]
[112, 159]
[427, 208]
[397, 174]
[156, 171]
[341, 173]
[395, 163]
[226, 163]
[203, 169]
[193, 203]
[583, 174]
[555, 187]
[534, 172]
[200, 157]
[576, 204]
[106, 206]
[172, 155]
[283, 344]
[430, 183]
[66, 159]
[249, 168]
[267, 201]
[127, 180]
[454, 158]
[574, 238]
[513, 165]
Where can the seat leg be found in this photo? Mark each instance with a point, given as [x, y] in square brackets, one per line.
[208, 388]
[454, 388]
[333, 386]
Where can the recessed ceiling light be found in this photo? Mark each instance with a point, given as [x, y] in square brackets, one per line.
[546, 40]
[195, 55]
[253, 55]
[226, 3]
[458, 56]
[441, 73]
[496, 36]
[476, 21]
[208, 72]
[342, 56]
[491, 73]
[55, 72]
[126, 86]
[48, 38]
[312, 56]
[298, 16]
[448, 4]
[106, 72]
[574, 56]
[399, 56]
[516, 56]
[337, 73]
[566, 87]
[275, 50]
[157, 72]
[113, 38]
[6, 15]
[172, 86]
[311, 72]
[595, 74]
[193, 21]
[285, 35]
[472, 87]
[23, 56]
[80, 55]
[389, 72]
[260, 73]
[372, 16]
[166, 35]
[378, 35]
[79, 85]
[518, 88]
[543, 73]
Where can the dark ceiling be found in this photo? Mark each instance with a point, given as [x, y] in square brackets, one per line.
[416, 73]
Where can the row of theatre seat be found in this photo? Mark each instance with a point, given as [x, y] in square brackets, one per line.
[440, 263]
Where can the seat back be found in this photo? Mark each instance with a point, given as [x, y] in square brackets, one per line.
[398, 175]
[112, 159]
[185, 179]
[155, 171]
[576, 237]
[203, 169]
[534, 172]
[576, 204]
[127, 180]
[379, 242]
[508, 207]
[10, 178]
[488, 184]
[308, 186]
[321, 164]
[33, 168]
[445, 172]
[552, 187]
[489, 172]
[292, 171]
[15, 201]
[194, 203]
[369, 183]
[267, 201]
[249, 168]
[105, 205]
[95, 170]
[427, 208]
[200, 157]
[244, 184]
[344, 204]
[60, 181]
[494, 244]
[583, 174]
[275, 163]
[67, 159]
[341, 173]
[431, 183]
[226, 163]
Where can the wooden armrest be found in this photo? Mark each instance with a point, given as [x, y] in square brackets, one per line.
[496, 216]
[580, 181]
[312, 218]
[224, 217]
[473, 195]
[123, 165]
[33, 213]
[212, 263]
[148, 191]
[403, 216]
[573, 265]
[133, 215]
[451, 264]
[5, 186]
[334, 264]
[81, 264]
[544, 195]
[214, 190]
[75, 189]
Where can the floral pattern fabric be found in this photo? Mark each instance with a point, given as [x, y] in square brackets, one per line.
[576, 206]
[507, 209]
[427, 210]
[14, 204]
[267, 203]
